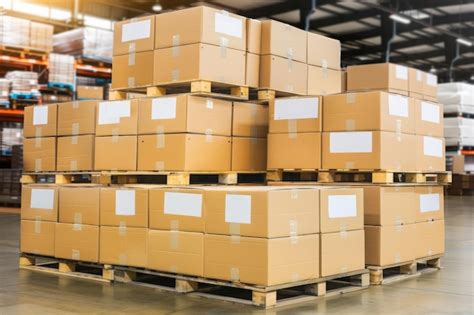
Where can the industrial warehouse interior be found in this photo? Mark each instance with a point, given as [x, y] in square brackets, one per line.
[236, 156]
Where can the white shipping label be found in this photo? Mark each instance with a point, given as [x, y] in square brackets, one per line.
[40, 115]
[429, 202]
[225, 24]
[136, 30]
[397, 105]
[430, 112]
[163, 108]
[431, 79]
[238, 209]
[183, 204]
[111, 112]
[42, 199]
[342, 206]
[419, 75]
[296, 108]
[401, 72]
[350, 142]
[125, 202]
[432, 146]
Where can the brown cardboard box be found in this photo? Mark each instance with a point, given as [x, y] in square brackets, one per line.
[85, 92]
[116, 118]
[185, 113]
[283, 40]
[323, 81]
[76, 153]
[252, 70]
[261, 261]
[249, 154]
[200, 25]
[386, 245]
[277, 73]
[429, 238]
[380, 150]
[294, 150]
[132, 70]
[176, 252]
[249, 120]
[39, 154]
[344, 80]
[323, 51]
[37, 237]
[342, 252]
[115, 153]
[40, 121]
[124, 206]
[123, 246]
[429, 203]
[177, 209]
[79, 204]
[184, 152]
[76, 118]
[295, 114]
[254, 36]
[430, 86]
[134, 35]
[415, 81]
[430, 154]
[429, 119]
[261, 211]
[381, 76]
[342, 209]
[199, 62]
[373, 110]
[39, 202]
[77, 242]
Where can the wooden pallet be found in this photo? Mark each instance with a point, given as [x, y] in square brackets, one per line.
[69, 268]
[266, 297]
[265, 95]
[23, 52]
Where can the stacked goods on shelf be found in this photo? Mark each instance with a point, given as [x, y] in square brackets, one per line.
[10, 187]
[11, 134]
[22, 33]
[61, 71]
[24, 84]
[41, 36]
[5, 92]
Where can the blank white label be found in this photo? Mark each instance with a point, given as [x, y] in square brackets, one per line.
[40, 115]
[111, 112]
[431, 79]
[296, 108]
[432, 146]
[401, 72]
[430, 112]
[136, 30]
[419, 76]
[225, 24]
[350, 142]
[429, 202]
[163, 108]
[125, 202]
[183, 204]
[42, 199]
[342, 206]
[238, 209]
[397, 105]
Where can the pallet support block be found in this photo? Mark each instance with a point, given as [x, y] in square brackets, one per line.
[108, 273]
[155, 91]
[275, 175]
[266, 95]
[185, 286]
[376, 276]
[201, 86]
[178, 179]
[382, 178]
[117, 95]
[26, 261]
[317, 289]
[264, 299]
[240, 91]
[228, 179]
[326, 177]
[67, 267]
[408, 269]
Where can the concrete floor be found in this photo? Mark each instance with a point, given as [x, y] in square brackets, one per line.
[450, 291]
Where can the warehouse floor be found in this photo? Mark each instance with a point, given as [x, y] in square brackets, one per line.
[448, 291]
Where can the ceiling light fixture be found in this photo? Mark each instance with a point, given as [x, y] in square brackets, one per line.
[400, 19]
[433, 69]
[157, 7]
[464, 42]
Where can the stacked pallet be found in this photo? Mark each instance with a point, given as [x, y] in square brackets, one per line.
[62, 71]
[21, 33]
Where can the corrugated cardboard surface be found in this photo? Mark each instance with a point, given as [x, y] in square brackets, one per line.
[42, 204]
[77, 242]
[116, 153]
[79, 205]
[249, 120]
[76, 153]
[380, 76]
[425, 162]
[261, 261]
[252, 70]
[123, 246]
[113, 211]
[37, 237]
[39, 154]
[77, 118]
[142, 44]
[132, 70]
[342, 209]
[127, 125]
[283, 40]
[254, 36]
[176, 252]
[282, 125]
[324, 51]
[415, 80]
[32, 130]
[429, 203]
[90, 92]
[429, 238]
[323, 81]
[249, 154]
[294, 150]
[283, 75]
[425, 126]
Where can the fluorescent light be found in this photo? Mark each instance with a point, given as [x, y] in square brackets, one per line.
[464, 42]
[433, 69]
[157, 7]
[400, 19]
[415, 14]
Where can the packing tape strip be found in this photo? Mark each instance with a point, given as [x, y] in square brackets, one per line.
[173, 269]
[174, 240]
[294, 194]
[38, 132]
[209, 104]
[175, 51]
[295, 276]
[74, 139]
[289, 87]
[131, 59]
[397, 258]
[398, 220]
[399, 228]
[123, 259]
[430, 189]
[38, 142]
[131, 81]
[75, 129]
[176, 40]
[398, 126]
[77, 218]
[160, 137]
[159, 165]
[38, 165]
[174, 225]
[430, 252]
[235, 239]
[175, 75]
[234, 274]
[350, 165]
[223, 44]
[343, 227]
[293, 231]
[73, 165]
[75, 254]
[132, 48]
[115, 135]
[350, 98]
[122, 228]
[343, 234]
[208, 135]
[344, 268]
[37, 224]
[234, 229]
[77, 227]
[292, 125]
[324, 63]
[350, 125]
[76, 104]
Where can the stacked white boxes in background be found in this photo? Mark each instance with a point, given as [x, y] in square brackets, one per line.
[41, 36]
[14, 31]
[62, 69]
[23, 82]
[4, 92]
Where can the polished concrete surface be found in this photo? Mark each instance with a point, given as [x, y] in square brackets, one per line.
[449, 291]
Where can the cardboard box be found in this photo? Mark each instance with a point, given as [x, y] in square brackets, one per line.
[323, 81]
[37, 237]
[185, 113]
[39, 202]
[342, 252]
[283, 40]
[86, 92]
[77, 242]
[281, 75]
[79, 204]
[123, 246]
[429, 238]
[40, 121]
[323, 51]
[115, 153]
[177, 209]
[132, 70]
[134, 35]
[77, 118]
[176, 252]
[429, 119]
[261, 211]
[429, 203]
[254, 36]
[374, 110]
[342, 209]
[294, 150]
[430, 85]
[200, 25]
[382, 76]
[116, 118]
[76, 153]
[184, 152]
[249, 154]
[344, 80]
[199, 62]
[249, 120]
[124, 206]
[252, 70]
[261, 261]
[430, 154]
[377, 150]
[39, 154]
[415, 81]
[295, 114]
[386, 245]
